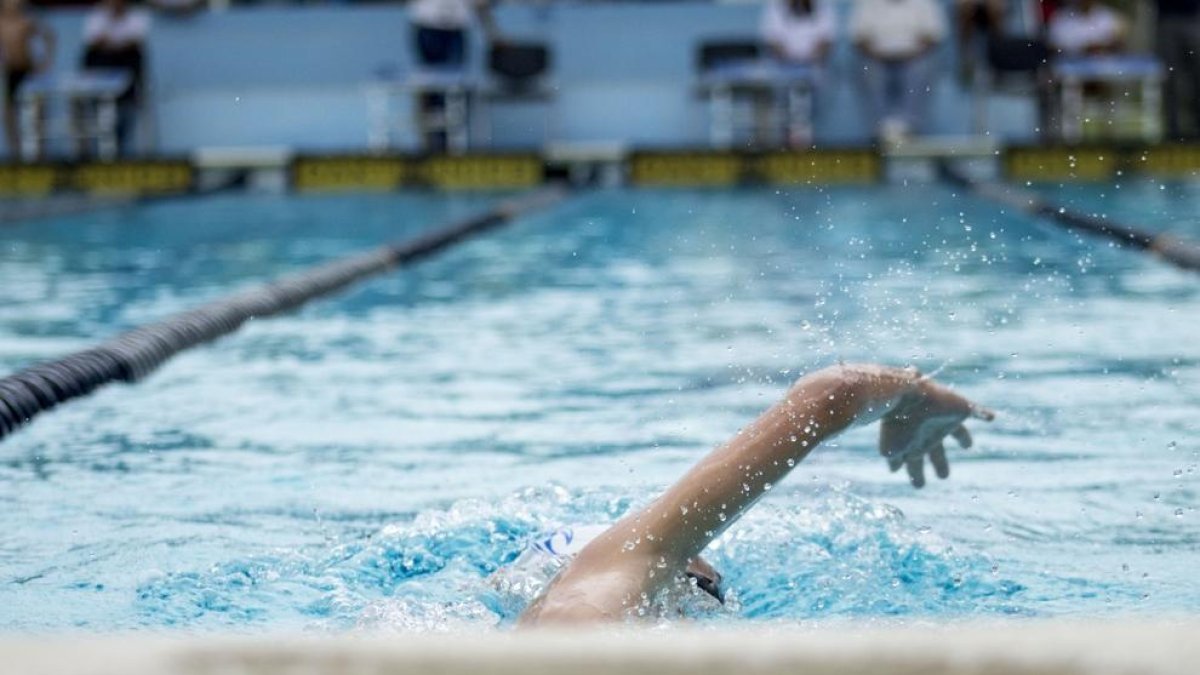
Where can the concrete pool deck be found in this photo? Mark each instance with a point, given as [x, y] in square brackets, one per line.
[1032, 647]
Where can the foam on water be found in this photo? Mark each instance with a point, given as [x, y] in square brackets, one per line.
[811, 554]
[370, 461]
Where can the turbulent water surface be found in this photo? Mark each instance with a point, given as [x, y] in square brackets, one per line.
[373, 460]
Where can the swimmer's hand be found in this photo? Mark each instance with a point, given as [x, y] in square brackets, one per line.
[916, 426]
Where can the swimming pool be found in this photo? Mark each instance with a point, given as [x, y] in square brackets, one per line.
[371, 459]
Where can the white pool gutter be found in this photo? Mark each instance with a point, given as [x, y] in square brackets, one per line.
[1033, 647]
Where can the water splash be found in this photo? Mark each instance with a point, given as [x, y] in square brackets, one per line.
[826, 553]
[830, 553]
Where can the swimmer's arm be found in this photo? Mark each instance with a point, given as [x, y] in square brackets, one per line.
[917, 414]
[644, 550]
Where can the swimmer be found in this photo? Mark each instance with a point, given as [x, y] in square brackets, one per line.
[618, 569]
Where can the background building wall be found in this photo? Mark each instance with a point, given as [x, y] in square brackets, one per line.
[296, 76]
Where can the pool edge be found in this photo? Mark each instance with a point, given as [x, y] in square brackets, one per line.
[1062, 647]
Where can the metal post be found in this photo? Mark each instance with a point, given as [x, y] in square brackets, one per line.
[1071, 123]
[456, 118]
[29, 123]
[106, 128]
[378, 117]
[721, 117]
[1152, 107]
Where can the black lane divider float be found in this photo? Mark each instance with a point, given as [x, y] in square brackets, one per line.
[1179, 252]
[133, 355]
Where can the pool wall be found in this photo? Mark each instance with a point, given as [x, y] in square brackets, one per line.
[207, 172]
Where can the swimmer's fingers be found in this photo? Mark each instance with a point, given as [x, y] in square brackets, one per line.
[963, 436]
[937, 457]
[915, 463]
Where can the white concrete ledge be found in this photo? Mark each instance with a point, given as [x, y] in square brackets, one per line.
[1025, 648]
[243, 157]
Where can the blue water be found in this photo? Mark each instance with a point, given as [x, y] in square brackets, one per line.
[373, 460]
[1151, 205]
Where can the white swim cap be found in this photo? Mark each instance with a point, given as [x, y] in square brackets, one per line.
[568, 541]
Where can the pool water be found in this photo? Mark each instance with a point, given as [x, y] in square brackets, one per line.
[372, 460]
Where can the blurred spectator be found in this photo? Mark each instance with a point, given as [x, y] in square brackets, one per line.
[114, 38]
[1086, 27]
[1178, 45]
[896, 38]
[979, 21]
[440, 37]
[18, 32]
[177, 8]
[798, 31]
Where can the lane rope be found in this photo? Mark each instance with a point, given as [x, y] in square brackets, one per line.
[133, 355]
[1175, 250]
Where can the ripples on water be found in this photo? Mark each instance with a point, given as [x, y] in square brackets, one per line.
[370, 461]
[454, 568]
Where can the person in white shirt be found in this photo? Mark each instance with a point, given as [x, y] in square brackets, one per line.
[114, 26]
[798, 31]
[1086, 27]
[114, 37]
[896, 38]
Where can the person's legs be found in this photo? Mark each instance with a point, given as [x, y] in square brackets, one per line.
[977, 22]
[1168, 47]
[914, 91]
[874, 91]
[894, 126]
[12, 137]
[895, 90]
[12, 127]
[1190, 77]
[1046, 89]
[127, 109]
[86, 114]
